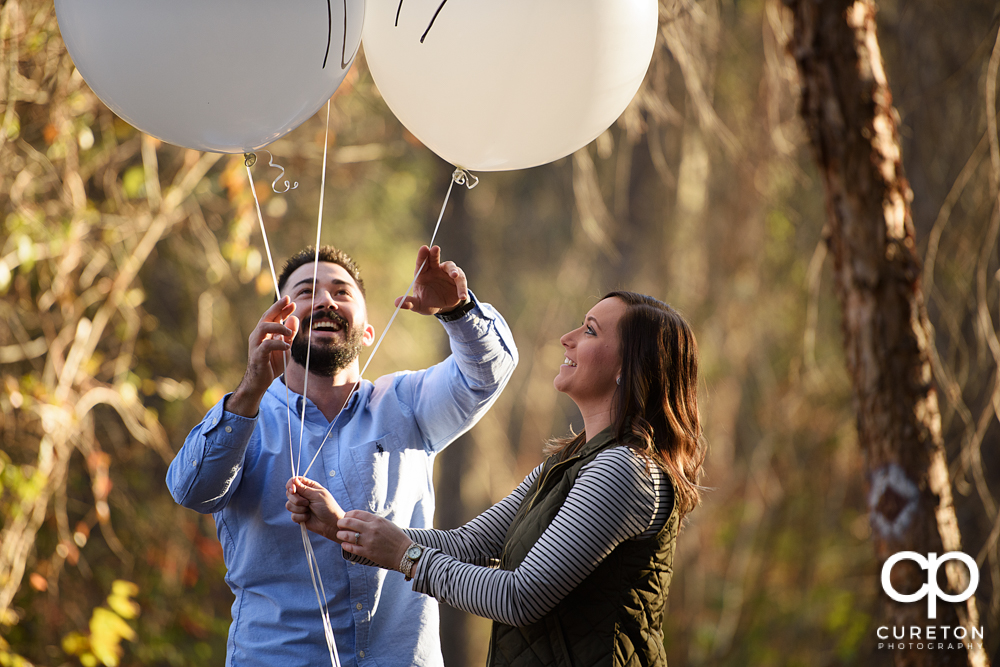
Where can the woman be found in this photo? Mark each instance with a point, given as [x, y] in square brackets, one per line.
[585, 543]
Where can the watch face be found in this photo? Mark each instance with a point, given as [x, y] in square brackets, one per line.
[414, 552]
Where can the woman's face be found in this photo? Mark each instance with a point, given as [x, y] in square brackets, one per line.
[592, 365]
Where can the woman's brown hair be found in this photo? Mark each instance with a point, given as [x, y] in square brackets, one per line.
[655, 408]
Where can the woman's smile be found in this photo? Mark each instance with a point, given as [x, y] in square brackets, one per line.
[591, 361]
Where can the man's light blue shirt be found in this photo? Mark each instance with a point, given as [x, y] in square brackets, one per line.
[379, 457]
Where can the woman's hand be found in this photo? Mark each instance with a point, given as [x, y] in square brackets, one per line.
[372, 537]
[313, 506]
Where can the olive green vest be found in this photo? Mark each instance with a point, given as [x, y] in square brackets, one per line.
[613, 617]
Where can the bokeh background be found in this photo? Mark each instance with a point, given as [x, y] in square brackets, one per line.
[132, 272]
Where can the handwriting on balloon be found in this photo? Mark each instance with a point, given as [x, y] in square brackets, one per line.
[429, 25]
[344, 62]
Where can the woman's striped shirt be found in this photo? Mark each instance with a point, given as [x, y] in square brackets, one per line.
[616, 497]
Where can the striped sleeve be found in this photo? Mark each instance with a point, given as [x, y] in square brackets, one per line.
[614, 498]
[479, 541]
[482, 539]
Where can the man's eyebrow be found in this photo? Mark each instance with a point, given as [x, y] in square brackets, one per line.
[335, 281]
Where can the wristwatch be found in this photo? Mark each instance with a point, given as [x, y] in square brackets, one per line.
[457, 312]
[410, 557]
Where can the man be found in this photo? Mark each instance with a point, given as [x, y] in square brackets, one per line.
[378, 456]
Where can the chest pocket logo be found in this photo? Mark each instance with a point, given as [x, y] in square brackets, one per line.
[377, 465]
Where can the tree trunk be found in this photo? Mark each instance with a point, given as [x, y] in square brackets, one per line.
[847, 107]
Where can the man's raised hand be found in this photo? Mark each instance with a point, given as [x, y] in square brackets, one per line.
[441, 286]
[269, 342]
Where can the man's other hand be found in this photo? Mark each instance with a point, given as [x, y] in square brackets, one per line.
[269, 342]
[313, 506]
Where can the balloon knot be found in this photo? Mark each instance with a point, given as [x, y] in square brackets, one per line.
[249, 159]
[464, 177]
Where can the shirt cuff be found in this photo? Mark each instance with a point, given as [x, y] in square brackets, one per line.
[474, 325]
[356, 559]
[421, 580]
[226, 428]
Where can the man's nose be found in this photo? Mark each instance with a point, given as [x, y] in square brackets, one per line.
[325, 300]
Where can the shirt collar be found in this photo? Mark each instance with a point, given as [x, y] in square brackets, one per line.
[603, 439]
[599, 441]
[287, 396]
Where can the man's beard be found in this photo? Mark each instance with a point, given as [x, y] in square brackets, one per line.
[327, 357]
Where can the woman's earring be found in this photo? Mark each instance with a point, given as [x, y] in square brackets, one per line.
[618, 380]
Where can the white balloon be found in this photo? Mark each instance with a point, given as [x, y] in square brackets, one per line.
[229, 76]
[508, 84]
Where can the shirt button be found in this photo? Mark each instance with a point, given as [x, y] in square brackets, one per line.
[360, 606]
[229, 429]
[361, 654]
[333, 473]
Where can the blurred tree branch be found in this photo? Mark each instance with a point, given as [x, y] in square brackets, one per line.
[79, 229]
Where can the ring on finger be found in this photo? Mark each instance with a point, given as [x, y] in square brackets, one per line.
[357, 536]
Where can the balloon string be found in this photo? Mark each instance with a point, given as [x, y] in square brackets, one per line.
[462, 177]
[311, 560]
[249, 160]
[260, 219]
[312, 302]
[317, 582]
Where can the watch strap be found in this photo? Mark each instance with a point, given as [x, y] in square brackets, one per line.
[406, 564]
[458, 312]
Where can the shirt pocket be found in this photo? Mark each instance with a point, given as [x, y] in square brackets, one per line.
[376, 466]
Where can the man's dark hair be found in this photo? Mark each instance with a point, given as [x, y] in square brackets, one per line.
[327, 253]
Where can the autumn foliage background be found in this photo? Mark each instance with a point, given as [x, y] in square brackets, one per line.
[131, 273]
